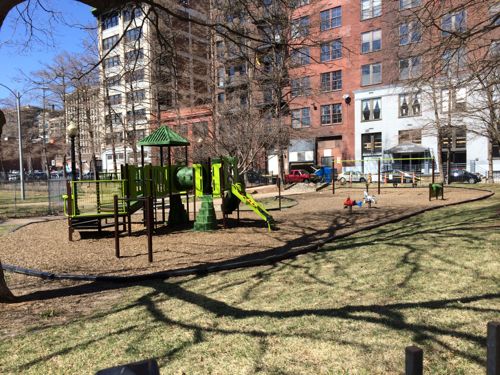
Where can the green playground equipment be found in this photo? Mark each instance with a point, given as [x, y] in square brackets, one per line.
[89, 202]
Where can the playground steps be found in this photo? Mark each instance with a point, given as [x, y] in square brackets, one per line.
[206, 219]
[82, 223]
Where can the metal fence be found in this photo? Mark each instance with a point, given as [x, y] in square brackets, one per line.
[41, 198]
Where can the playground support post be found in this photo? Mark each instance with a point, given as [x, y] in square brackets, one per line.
[378, 178]
[222, 187]
[149, 227]
[117, 227]
[414, 360]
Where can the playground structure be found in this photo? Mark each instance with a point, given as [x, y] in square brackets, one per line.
[90, 202]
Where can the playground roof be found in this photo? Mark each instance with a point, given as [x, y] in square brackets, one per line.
[164, 136]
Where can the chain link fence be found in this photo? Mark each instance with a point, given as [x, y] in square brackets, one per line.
[41, 198]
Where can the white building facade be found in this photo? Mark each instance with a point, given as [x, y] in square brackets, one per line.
[392, 122]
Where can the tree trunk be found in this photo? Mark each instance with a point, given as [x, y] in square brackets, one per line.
[5, 293]
[490, 162]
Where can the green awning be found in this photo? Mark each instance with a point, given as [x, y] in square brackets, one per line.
[164, 136]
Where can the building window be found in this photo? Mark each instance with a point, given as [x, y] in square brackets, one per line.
[139, 114]
[371, 74]
[410, 32]
[331, 81]
[300, 56]
[113, 81]
[219, 48]
[371, 144]
[136, 96]
[370, 9]
[134, 55]
[300, 27]
[115, 99]
[458, 98]
[111, 62]
[301, 118]
[454, 60]
[116, 118]
[331, 114]
[371, 41]
[110, 20]
[453, 23]
[410, 67]
[221, 76]
[133, 35]
[409, 105]
[132, 13]
[454, 138]
[331, 50]
[110, 42]
[410, 136]
[220, 97]
[299, 3]
[371, 109]
[407, 4]
[331, 18]
[134, 76]
[301, 87]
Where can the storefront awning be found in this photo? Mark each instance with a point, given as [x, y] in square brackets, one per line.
[407, 148]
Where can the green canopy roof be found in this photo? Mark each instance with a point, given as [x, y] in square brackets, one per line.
[164, 136]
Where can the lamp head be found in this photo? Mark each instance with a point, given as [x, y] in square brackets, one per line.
[72, 130]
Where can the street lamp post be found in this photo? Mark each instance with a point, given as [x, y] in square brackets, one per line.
[72, 131]
[17, 95]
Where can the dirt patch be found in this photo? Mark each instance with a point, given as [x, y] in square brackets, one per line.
[316, 217]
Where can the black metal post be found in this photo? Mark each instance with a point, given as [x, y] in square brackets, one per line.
[414, 360]
[149, 227]
[73, 173]
[493, 349]
[433, 170]
[333, 175]
[378, 178]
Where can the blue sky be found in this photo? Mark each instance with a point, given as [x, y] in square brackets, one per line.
[66, 35]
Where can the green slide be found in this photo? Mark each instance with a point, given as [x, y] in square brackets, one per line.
[238, 191]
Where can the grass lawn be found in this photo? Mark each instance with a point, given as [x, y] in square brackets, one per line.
[432, 280]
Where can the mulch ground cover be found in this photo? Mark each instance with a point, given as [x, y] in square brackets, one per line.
[316, 217]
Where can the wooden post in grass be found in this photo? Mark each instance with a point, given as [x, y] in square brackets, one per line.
[117, 228]
[414, 360]
[493, 349]
[279, 192]
[433, 170]
[378, 178]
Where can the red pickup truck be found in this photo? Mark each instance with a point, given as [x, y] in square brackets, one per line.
[299, 175]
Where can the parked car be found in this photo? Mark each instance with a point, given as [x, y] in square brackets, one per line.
[300, 175]
[461, 175]
[255, 177]
[393, 176]
[56, 174]
[14, 176]
[353, 176]
[36, 176]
